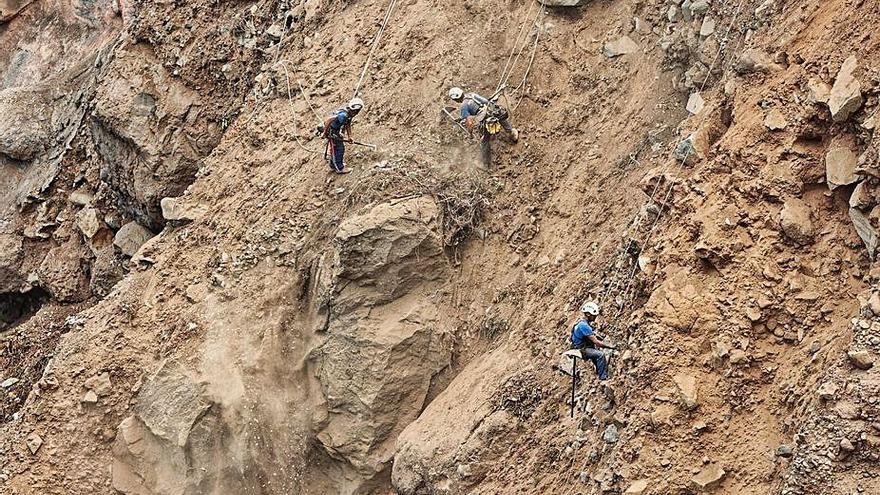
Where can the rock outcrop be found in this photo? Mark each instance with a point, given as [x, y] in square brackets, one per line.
[432, 451]
[147, 128]
[385, 338]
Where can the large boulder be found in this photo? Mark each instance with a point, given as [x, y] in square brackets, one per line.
[385, 337]
[386, 252]
[174, 441]
[64, 272]
[11, 254]
[375, 372]
[26, 126]
[433, 452]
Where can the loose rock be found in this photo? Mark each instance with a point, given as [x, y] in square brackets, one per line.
[818, 91]
[846, 94]
[775, 120]
[708, 27]
[708, 478]
[638, 487]
[90, 397]
[182, 209]
[621, 46]
[865, 230]
[754, 60]
[861, 359]
[840, 165]
[131, 237]
[738, 356]
[687, 391]
[89, 222]
[699, 7]
[861, 197]
[611, 435]
[795, 221]
[34, 442]
[100, 384]
[828, 390]
[695, 103]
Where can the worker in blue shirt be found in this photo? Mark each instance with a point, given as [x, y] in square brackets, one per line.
[584, 339]
[472, 110]
[337, 128]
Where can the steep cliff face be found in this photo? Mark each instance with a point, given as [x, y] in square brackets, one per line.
[190, 304]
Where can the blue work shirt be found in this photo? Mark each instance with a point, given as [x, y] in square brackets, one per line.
[472, 105]
[580, 333]
[340, 120]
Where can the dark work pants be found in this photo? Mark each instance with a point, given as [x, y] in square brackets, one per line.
[336, 153]
[598, 359]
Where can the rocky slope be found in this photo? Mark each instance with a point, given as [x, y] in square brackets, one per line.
[191, 305]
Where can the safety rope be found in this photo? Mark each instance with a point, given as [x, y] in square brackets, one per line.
[637, 221]
[283, 65]
[528, 68]
[631, 277]
[509, 67]
[375, 43]
[519, 38]
[659, 213]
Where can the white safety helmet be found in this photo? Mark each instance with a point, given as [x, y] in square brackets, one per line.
[355, 104]
[456, 93]
[590, 308]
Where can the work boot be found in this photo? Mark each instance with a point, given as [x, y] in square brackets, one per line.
[514, 133]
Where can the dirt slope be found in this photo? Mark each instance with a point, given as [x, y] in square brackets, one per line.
[277, 330]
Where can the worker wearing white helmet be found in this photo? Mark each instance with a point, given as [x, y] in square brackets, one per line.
[337, 129]
[584, 338]
[473, 109]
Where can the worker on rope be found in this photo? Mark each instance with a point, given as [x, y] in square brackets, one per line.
[583, 338]
[474, 109]
[337, 130]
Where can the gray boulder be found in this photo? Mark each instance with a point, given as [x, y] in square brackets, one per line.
[131, 237]
[26, 127]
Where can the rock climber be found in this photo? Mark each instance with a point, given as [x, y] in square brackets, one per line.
[337, 130]
[473, 109]
[583, 338]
